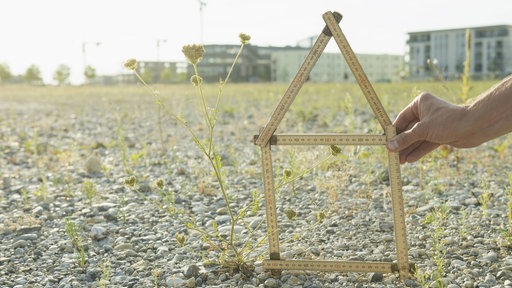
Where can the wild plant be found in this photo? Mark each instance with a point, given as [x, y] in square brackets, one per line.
[89, 191]
[156, 273]
[73, 231]
[500, 149]
[24, 196]
[121, 142]
[233, 255]
[463, 219]
[484, 198]
[507, 231]
[437, 218]
[466, 87]
[294, 172]
[122, 202]
[106, 271]
[42, 192]
[137, 157]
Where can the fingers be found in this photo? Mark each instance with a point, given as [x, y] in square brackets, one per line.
[409, 115]
[407, 138]
[421, 150]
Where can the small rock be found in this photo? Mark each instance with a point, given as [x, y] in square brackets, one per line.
[28, 229]
[387, 238]
[93, 164]
[174, 281]
[504, 274]
[28, 237]
[192, 271]
[20, 244]
[38, 211]
[271, 283]
[376, 277]
[457, 263]
[98, 232]
[490, 257]
[123, 247]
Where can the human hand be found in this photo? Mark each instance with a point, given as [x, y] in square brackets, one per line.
[426, 123]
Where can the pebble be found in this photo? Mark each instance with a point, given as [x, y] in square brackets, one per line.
[125, 231]
[98, 232]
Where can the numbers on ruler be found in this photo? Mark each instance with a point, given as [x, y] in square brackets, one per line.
[267, 138]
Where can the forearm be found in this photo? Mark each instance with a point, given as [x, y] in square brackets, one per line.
[490, 116]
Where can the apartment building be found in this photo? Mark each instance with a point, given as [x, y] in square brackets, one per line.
[442, 53]
[332, 67]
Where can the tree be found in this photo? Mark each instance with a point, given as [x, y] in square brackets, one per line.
[62, 73]
[89, 73]
[33, 75]
[5, 72]
[167, 76]
[147, 75]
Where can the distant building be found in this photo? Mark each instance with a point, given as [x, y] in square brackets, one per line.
[158, 71]
[332, 67]
[443, 52]
[218, 59]
[279, 64]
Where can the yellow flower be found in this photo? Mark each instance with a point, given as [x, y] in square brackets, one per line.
[335, 150]
[131, 64]
[194, 53]
[244, 38]
[160, 183]
[180, 238]
[290, 213]
[130, 181]
[196, 80]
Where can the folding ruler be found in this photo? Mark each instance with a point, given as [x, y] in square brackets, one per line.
[267, 138]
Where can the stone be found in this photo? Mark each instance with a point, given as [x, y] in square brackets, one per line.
[93, 164]
[98, 232]
[191, 271]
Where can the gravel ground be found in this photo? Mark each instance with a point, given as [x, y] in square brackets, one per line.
[65, 163]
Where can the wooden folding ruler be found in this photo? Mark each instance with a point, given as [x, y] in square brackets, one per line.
[267, 138]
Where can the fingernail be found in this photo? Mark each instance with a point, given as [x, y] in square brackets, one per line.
[393, 145]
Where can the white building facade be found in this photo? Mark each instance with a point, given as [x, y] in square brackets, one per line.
[332, 67]
[442, 53]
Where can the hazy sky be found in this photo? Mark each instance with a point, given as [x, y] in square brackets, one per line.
[52, 32]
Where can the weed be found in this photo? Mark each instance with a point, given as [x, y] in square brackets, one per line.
[138, 156]
[73, 232]
[121, 142]
[464, 215]
[507, 231]
[42, 192]
[89, 191]
[24, 196]
[231, 255]
[484, 199]
[500, 149]
[437, 218]
[156, 275]
[122, 202]
[466, 87]
[105, 267]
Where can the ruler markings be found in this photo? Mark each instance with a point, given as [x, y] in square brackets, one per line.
[397, 202]
[295, 86]
[357, 70]
[266, 138]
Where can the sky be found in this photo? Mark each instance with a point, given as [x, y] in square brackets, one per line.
[48, 33]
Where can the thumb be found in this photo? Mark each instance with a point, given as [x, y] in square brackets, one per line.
[406, 138]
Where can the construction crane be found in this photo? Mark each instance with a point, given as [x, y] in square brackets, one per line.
[201, 5]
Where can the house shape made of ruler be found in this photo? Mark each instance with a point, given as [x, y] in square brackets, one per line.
[267, 138]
